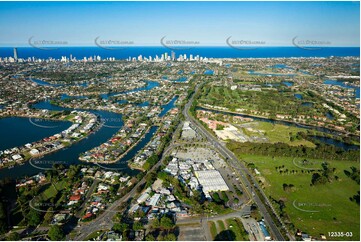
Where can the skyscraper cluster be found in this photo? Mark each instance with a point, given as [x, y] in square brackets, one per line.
[167, 57]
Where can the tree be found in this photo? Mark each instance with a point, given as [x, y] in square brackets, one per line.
[170, 237]
[356, 198]
[3, 224]
[225, 197]
[13, 236]
[137, 226]
[162, 175]
[56, 233]
[155, 223]
[166, 222]
[152, 160]
[197, 195]
[288, 187]
[219, 127]
[33, 217]
[49, 215]
[318, 179]
[73, 170]
[149, 237]
[216, 198]
[139, 213]
[120, 227]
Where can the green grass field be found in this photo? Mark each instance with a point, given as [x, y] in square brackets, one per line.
[236, 226]
[52, 190]
[314, 209]
[212, 228]
[266, 101]
[222, 233]
[232, 230]
[69, 117]
[278, 133]
[221, 225]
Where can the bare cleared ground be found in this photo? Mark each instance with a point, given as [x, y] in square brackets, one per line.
[191, 233]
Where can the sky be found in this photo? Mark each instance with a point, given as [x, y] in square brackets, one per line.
[206, 23]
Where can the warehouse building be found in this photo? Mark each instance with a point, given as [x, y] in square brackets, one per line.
[211, 180]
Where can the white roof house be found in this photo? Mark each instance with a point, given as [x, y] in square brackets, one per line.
[16, 157]
[34, 152]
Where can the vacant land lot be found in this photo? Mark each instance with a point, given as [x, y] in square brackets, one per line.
[235, 225]
[276, 133]
[228, 230]
[191, 233]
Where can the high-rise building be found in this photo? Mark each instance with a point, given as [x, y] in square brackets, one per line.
[15, 54]
[166, 55]
[173, 55]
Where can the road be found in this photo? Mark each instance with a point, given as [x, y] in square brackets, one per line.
[104, 221]
[235, 163]
[86, 199]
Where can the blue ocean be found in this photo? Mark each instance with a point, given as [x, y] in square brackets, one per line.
[215, 52]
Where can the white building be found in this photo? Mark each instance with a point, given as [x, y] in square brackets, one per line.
[34, 152]
[211, 180]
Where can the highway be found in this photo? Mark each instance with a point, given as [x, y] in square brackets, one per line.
[104, 221]
[239, 166]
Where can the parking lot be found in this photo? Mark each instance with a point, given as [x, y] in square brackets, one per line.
[200, 154]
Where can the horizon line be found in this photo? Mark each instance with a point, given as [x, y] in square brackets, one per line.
[175, 48]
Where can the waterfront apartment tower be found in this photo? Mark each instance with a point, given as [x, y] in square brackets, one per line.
[16, 54]
[173, 55]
